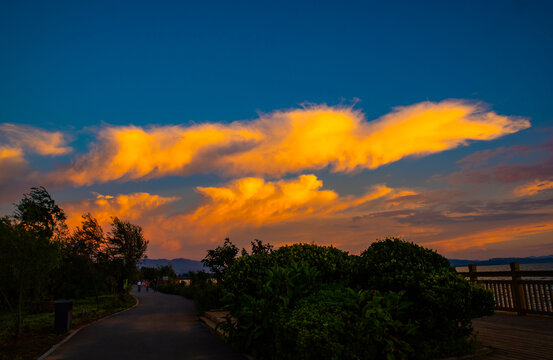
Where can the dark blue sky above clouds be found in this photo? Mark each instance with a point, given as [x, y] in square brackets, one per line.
[146, 62]
[79, 68]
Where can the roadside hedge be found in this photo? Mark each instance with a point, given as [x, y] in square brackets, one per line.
[397, 300]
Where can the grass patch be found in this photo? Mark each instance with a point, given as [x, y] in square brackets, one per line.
[38, 329]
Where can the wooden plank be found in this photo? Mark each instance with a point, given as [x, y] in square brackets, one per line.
[514, 337]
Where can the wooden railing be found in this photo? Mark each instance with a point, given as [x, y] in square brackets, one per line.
[513, 293]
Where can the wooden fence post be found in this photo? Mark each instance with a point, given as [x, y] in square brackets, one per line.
[517, 290]
[472, 272]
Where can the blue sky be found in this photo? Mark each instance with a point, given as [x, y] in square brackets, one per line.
[78, 68]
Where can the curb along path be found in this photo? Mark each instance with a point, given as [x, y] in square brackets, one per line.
[73, 332]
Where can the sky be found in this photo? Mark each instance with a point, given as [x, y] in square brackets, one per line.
[334, 123]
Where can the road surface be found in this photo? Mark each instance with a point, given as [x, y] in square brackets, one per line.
[160, 327]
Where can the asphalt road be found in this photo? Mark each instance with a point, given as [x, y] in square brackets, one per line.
[161, 327]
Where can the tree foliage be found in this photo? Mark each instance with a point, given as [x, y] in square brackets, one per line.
[85, 261]
[152, 273]
[126, 246]
[29, 250]
[221, 258]
[258, 247]
[443, 302]
[395, 301]
[40, 260]
[38, 212]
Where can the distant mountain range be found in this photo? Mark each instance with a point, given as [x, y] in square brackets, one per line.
[504, 261]
[180, 265]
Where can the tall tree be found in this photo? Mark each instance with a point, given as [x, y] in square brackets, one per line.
[38, 212]
[88, 240]
[26, 262]
[84, 260]
[29, 250]
[126, 247]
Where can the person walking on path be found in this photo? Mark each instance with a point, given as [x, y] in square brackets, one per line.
[138, 285]
[147, 283]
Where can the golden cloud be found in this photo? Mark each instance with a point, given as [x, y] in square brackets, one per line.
[255, 201]
[12, 162]
[104, 207]
[287, 142]
[533, 188]
[33, 140]
[237, 205]
[7, 152]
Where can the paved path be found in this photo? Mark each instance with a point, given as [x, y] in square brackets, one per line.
[161, 327]
[516, 337]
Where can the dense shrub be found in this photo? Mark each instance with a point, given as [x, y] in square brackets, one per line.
[396, 300]
[172, 287]
[247, 273]
[204, 291]
[344, 324]
[333, 265]
[267, 300]
[443, 303]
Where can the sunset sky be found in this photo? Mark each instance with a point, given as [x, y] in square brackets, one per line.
[336, 123]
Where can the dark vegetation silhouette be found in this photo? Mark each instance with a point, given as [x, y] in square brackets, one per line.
[396, 300]
[41, 260]
[157, 273]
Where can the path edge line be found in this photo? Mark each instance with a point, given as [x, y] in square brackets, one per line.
[54, 347]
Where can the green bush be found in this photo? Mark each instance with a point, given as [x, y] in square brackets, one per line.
[443, 303]
[344, 324]
[258, 309]
[396, 300]
[205, 291]
[333, 265]
[174, 288]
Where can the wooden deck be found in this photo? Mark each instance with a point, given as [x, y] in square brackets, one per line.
[516, 337]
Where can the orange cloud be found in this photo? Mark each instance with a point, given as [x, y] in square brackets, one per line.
[238, 204]
[34, 140]
[533, 188]
[12, 163]
[104, 207]
[7, 152]
[256, 201]
[288, 142]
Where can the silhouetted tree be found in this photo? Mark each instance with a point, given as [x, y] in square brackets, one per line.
[259, 248]
[27, 259]
[151, 273]
[220, 258]
[126, 247]
[85, 260]
[29, 250]
[38, 212]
